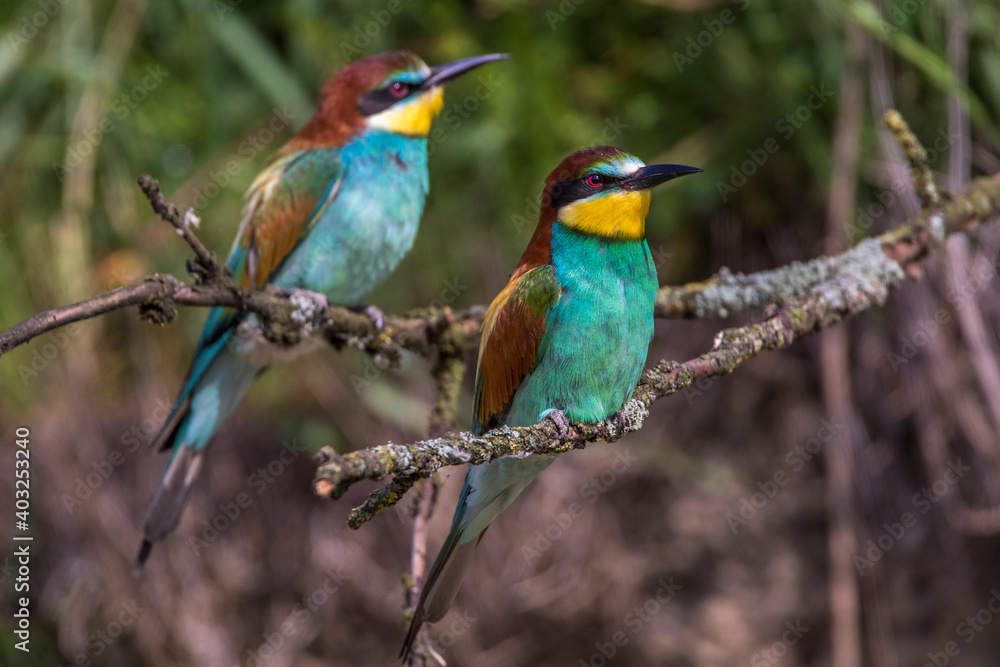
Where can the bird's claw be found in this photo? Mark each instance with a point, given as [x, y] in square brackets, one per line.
[622, 420]
[375, 314]
[558, 418]
[622, 423]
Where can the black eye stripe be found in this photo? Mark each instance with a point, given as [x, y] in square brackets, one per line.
[381, 99]
[567, 192]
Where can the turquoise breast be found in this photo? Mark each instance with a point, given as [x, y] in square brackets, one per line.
[370, 224]
[597, 334]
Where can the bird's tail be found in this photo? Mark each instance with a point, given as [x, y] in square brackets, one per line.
[163, 512]
[220, 374]
[488, 490]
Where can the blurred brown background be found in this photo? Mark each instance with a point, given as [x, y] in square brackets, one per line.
[827, 505]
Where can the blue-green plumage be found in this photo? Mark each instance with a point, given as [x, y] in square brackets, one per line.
[334, 213]
[596, 335]
[588, 363]
[371, 194]
[360, 235]
[568, 336]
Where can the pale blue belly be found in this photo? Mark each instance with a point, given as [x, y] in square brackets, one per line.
[370, 225]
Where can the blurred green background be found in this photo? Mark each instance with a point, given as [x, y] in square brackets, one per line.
[198, 94]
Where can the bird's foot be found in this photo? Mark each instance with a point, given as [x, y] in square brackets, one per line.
[374, 313]
[309, 304]
[622, 421]
[558, 417]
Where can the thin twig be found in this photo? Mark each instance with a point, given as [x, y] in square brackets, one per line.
[206, 258]
[923, 179]
[426, 490]
[448, 373]
[843, 451]
[284, 322]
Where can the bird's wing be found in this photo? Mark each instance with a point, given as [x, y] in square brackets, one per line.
[281, 206]
[513, 341]
[513, 334]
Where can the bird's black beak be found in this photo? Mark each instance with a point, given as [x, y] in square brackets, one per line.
[654, 174]
[442, 74]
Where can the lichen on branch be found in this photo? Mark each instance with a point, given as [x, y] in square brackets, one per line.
[798, 299]
[855, 281]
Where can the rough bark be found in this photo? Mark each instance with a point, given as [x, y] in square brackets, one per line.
[863, 278]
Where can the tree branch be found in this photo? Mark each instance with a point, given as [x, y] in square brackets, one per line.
[285, 321]
[858, 280]
[923, 179]
[726, 293]
[182, 223]
[800, 299]
[448, 372]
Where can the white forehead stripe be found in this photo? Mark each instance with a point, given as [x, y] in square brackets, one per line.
[631, 166]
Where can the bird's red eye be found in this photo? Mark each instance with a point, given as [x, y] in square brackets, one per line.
[399, 89]
[594, 180]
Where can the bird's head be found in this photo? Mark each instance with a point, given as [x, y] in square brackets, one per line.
[605, 191]
[393, 92]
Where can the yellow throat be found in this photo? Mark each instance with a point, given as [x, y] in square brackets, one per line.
[617, 215]
[412, 117]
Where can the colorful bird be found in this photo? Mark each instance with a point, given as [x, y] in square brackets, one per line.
[334, 212]
[566, 339]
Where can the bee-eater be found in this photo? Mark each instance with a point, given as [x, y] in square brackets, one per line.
[334, 212]
[565, 340]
